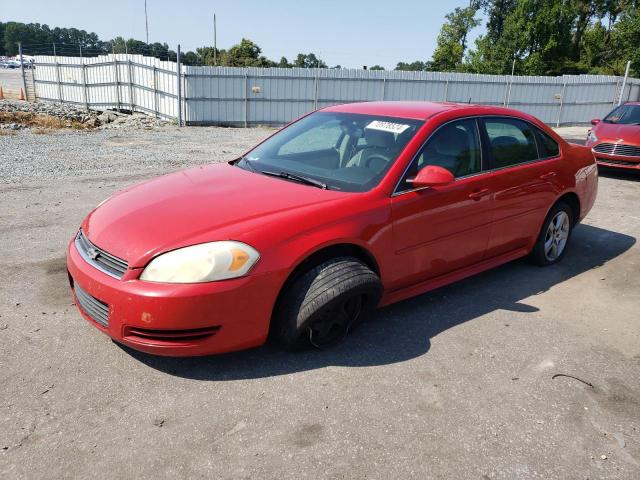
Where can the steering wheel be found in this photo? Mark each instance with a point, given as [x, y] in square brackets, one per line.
[376, 156]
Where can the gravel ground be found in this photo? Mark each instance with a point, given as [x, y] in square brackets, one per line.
[63, 154]
[458, 383]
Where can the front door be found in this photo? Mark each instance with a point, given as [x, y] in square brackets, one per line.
[438, 230]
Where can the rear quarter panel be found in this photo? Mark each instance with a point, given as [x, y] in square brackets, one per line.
[585, 171]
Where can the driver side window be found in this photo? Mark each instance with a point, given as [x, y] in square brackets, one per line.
[455, 146]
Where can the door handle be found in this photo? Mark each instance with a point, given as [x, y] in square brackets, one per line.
[548, 175]
[479, 194]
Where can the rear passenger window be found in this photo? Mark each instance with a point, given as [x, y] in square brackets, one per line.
[510, 141]
[547, 145]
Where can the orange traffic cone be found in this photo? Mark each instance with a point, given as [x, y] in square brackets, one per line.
[21, 95]
[1, 94]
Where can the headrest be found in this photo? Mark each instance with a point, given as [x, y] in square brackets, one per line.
[504, 141]
[451, 141]
[379, 138]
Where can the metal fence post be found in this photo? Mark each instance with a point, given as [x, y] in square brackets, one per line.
[24, 80]
[315, 92]
[624, 82]
[384, 88]
[562, 93]
[446, 90]
[179, 86]
[117, 81]
[246, 100]
[506, 90]
[58, 74]
[131, 102]
[84, 85]
[33, 84]
[509, 94]
[155, 90]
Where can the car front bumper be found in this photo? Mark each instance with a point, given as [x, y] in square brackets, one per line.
[175, 319]
[614, 160]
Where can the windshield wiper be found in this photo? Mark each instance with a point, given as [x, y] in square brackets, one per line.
[296, 178]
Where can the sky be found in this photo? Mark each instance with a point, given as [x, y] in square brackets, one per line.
[350, 33]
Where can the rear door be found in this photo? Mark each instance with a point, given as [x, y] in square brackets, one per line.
[441, 229]
[525, 168]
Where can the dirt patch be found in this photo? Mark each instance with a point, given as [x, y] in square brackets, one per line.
[28, 119]
[126, 142]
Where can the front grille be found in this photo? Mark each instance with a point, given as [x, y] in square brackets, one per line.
[617, 162]
[169, 336]
[100, 259]
[617, 149]
[94, 308]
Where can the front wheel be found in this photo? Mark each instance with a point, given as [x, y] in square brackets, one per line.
[554, 236]
[320, 307]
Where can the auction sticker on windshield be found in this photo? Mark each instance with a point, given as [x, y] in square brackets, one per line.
[387, 126]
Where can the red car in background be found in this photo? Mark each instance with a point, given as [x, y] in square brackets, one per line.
[615, 140]
[348, 208]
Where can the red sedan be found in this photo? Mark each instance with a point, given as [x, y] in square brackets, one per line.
[348, 208]
[615, 140]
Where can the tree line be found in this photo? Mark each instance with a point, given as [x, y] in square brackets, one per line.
[532, 37]
[40, 39]
[539, 37]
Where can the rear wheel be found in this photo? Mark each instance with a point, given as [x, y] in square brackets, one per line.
[554, 236]
[320, 307]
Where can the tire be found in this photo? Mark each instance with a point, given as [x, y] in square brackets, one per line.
[320, 307]
[557, 228]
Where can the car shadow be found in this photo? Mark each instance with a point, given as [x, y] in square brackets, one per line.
[619, 174]
[404, 330]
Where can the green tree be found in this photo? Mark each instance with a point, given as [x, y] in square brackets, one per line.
[244, 54]
[452, 40]
[208, 55]
[377, 67]
[625, 38]
[416, 66]
[538, 34]
[284, 63]
[308, 60]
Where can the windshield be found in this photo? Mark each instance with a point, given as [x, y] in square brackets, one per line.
[625, 115]
[339, 151]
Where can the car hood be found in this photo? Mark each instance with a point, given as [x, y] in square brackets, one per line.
[613, 132]
[208, 203]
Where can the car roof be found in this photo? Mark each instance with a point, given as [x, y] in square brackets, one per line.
[419, 110]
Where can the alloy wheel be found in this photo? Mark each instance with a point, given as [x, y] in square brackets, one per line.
[557, 235]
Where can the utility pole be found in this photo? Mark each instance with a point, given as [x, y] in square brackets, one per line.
[215, 42]
[146, 21]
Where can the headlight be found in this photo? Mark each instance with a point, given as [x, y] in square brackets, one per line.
[592, 136]
[206, 262]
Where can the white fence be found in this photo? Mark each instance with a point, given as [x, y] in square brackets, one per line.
[273, 96]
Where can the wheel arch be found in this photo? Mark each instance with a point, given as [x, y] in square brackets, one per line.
[572, 199]
[320, 255]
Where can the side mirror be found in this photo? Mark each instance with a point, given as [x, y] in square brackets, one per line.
[595, 121]
[432, 176]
